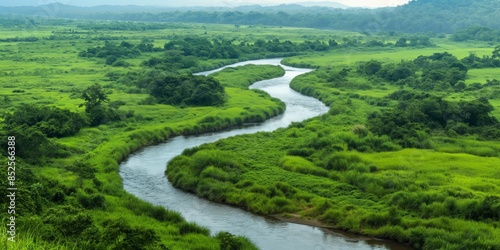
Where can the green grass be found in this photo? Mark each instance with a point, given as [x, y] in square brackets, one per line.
[481, 75]
[373, 194]
[327, 169]
[243, 76]
[49, 72]
[316, 169]
[348, 57]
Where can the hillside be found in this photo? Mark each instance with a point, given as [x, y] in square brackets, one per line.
[439, 16]
[443, 15]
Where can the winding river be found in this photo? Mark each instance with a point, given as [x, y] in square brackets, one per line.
[143, 176]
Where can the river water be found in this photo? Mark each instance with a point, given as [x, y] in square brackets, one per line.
[143, 176]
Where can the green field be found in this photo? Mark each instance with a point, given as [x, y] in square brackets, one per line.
[443, 193]
[50, 73]
[333, 169]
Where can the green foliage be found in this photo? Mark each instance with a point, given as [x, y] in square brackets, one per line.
[68, 221]
[192, 228]
[82, 169]
[477, 33]
[118, 234]
[371, 67]
[439, 71]
[186, 90]
[396, 72]
[476, 62]
[414, 117]
[234, 77]
[52, 121]
[111, 52]
[96, 107]
[442, 16]
[414, 41]
[229, 241]
[280, 172]
[31, 144]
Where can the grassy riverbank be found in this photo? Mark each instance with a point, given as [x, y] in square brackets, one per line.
[442, 192]
[75, 200]
[99, 150]
[331, 168]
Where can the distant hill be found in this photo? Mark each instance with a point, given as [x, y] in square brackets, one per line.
[443, 15]
[323, 4]
[438, 16]
[184, 3]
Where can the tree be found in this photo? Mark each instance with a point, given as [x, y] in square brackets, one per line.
[188, 90]
[372, 67]
[95, 105]
[476, 112]
[52, 121]
[94, 96]
[496, 53]
[401, 42]
[31, 144]
[110, 59]
[460, 86]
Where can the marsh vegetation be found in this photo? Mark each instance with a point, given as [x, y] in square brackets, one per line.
[408, 150]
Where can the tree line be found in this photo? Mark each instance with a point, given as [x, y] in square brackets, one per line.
[417, 114]
[439, 71]
[439, 16]
[34, 125]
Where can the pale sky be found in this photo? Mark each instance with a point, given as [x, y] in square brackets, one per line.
[177, 3]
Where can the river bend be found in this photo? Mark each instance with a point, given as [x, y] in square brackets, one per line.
[143, 176]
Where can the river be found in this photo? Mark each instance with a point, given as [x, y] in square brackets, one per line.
[143, 176]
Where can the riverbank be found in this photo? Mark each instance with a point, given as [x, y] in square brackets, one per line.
[139, 179]
[336, 170]
[296, 218]
[90, 175]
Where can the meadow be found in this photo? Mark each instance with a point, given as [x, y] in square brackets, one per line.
[440, 193]
[50, 73]
[330, 168]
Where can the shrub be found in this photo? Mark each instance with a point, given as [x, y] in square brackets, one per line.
[331, 216]
[118, 234]
[214, 173]
[162, 214]
[68, 220]
[192, 228]
[52, 121]
[341, 161]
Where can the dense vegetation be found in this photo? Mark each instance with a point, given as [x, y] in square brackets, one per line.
[82, 95]
[75, 119]
[417, 114]
[437, 16]
[477, 34]
[359, 168]
[52, 121]
[187, 90]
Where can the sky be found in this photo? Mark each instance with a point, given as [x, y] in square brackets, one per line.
[177, 3]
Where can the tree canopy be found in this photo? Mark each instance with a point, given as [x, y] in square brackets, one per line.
[439, 16]
[52, 121]
[185, 90]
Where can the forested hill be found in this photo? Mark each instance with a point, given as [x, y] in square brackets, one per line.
[444, 15]
[439, 16]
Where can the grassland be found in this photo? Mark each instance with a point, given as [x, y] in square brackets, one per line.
[373, 195]
[49, 72]
[332, 169]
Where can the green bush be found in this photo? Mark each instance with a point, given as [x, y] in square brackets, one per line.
[52, 121]
[192, 228]
[341, 161]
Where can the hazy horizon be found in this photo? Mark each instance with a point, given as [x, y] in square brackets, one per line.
[190, 3]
